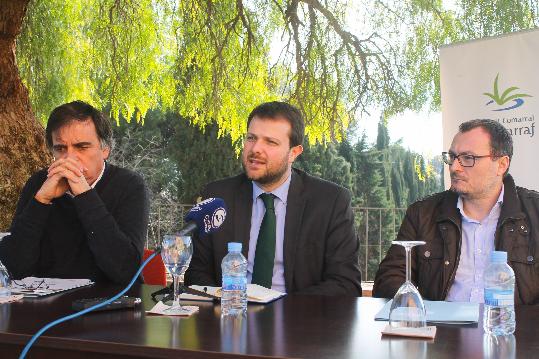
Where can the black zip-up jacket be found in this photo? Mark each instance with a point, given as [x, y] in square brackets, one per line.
[437, 221]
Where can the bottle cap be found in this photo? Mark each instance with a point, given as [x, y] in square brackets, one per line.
[498, 257]
[234, 247]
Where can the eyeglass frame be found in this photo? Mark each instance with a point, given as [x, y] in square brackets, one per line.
[33, 286]
[447, 155]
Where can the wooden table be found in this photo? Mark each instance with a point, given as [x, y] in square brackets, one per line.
[294, 326]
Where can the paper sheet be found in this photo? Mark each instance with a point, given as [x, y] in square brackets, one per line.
[255, 293]
[162, 309]
[426, 332]
[38, 287]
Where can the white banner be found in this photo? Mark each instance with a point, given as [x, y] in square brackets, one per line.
[496, 78]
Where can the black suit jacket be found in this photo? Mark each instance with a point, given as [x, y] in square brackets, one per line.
[320, 244]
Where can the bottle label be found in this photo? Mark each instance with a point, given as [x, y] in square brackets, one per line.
[234, 283]
[498, 297]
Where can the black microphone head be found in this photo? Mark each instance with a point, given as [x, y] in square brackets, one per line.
[208, 215]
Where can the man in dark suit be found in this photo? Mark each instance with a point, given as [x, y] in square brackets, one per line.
[297, 230]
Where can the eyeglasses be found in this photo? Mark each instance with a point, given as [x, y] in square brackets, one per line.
[465, 160]
[39, 284]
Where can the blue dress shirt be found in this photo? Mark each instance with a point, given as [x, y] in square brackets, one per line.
[477, 243]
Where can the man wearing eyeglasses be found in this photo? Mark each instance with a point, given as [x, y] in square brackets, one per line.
[483, 211]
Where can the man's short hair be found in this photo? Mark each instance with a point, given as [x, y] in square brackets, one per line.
[290, 113]
[79, 111]
[501, 142]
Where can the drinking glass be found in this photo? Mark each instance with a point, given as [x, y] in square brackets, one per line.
[407, 309]
[176, 253]
[5, 280]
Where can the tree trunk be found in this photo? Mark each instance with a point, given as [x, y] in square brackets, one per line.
[22, 138]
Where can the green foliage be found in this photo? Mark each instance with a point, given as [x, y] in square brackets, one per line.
[104, 52]
[417, 29]
[385, 179]
[201, 157]
[482, 18]
[208, 61]
[327, 163]
[382, 138]
[213, 61]
[53, 55]
[220, 67]
[144, 149]
[176, 159]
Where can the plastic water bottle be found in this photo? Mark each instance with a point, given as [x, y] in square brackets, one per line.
[4, 282]
[234, 291]
[499, 308]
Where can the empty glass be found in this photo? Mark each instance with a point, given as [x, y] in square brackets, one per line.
[176, 253]
[5, 290]
[407, 309]
[5, 281]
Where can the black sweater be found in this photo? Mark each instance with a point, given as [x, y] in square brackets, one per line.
[98, 234]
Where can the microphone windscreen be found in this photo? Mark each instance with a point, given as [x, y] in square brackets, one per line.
[209, 215]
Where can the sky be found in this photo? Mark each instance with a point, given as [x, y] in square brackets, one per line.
[420, 132]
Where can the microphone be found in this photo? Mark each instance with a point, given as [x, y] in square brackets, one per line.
[206, 216]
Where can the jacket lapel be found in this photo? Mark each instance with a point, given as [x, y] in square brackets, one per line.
[451, 236]
[243, 206]
[295, 206]
[510, 211]
[511, 202]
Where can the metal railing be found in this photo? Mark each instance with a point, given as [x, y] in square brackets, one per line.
[376, 228]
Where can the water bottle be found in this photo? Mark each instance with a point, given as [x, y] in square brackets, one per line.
[4, 282]
[497, 347]
[499, 308]
[234, 291]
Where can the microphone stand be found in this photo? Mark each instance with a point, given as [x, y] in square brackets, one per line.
[168, 293]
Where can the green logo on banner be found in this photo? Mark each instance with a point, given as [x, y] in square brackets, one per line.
[506, 96]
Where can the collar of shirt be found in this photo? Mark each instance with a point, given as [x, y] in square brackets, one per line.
[496, 206]
[280, 192]
[95, 182]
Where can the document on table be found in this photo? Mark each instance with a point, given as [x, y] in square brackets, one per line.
[442, 312]
[255, 293]
[39, 287]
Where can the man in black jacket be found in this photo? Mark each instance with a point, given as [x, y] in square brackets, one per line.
[81, 217]
[310, 246]
[483, 211]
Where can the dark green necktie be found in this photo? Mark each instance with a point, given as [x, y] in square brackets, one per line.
[265, 245]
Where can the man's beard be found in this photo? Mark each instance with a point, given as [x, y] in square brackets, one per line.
[452, 187]
[457, 191]
[269, 177]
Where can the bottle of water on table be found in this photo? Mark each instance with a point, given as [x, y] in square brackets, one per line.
[234, 290]
[499, 308]
[5, 291]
